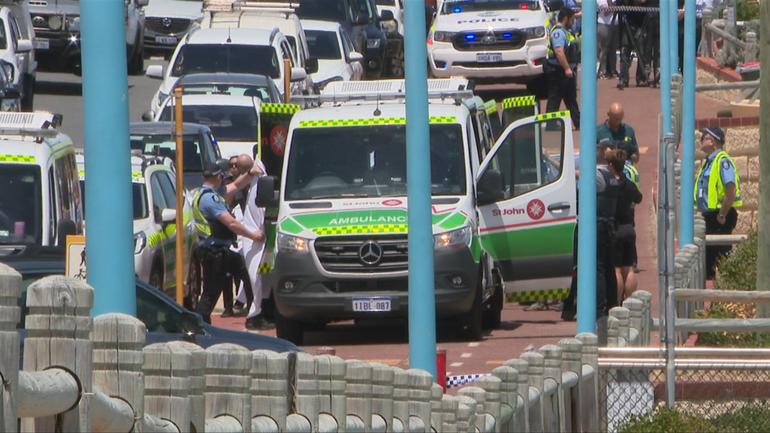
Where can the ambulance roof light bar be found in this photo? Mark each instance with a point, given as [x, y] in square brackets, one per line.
[341, 91]
[284, 6]
[30, 124]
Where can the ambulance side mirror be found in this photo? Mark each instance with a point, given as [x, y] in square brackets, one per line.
[266, 192]
[489, 188]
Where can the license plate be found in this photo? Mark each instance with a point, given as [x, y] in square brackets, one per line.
[489, 57]
[165, 40]
[41, 44]
[371, 304]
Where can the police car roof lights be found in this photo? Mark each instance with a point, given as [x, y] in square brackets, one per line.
[456, 88]
[30, 124]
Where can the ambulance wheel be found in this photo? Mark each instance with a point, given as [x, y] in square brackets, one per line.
[472, 323]
[493, 314]
[289, 329]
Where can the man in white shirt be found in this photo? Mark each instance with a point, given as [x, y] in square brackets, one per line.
[606, 39]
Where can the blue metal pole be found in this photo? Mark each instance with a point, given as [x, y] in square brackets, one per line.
[109, 232]
[586, 295]
[422, 306]
[665, 71]
[673, 34]
[688, 127]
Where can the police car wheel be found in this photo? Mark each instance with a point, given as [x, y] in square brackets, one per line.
[156, 277]
[289, 329]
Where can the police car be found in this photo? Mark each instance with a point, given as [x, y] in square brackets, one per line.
[501, 210]
[40, 198]
[488, 39]
[153, 191]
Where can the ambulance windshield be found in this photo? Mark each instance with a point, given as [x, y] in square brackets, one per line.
[369, 161]
[20, 204]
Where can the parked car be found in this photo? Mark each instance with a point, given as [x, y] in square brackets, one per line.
[14, 50]
[165, 319]
[57, 30]
[21, 27]
[396, 7]
[337, 58]
[167, 21]
[10, 97]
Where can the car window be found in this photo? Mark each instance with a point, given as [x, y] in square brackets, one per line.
[3, 36]
[347, 43]
[323, 44]
[157, 316]
[158, 201]
[165, 145]
[15, 35]
[20, 204]
[168, 189]
[248, 59]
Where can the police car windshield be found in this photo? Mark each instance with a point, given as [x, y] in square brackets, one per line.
[327, 10]
[165, 145]
[247, 59]
[369, 161]
[20, 204]
[227, 123]
[460, 6]
[323, 44]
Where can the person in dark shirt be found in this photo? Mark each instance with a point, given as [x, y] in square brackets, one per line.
[624, 250]
[620, 134]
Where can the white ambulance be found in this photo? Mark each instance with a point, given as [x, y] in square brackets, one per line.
[40, 200]
[503, 210]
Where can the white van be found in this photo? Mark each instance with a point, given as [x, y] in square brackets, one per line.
[40, 201]
[500, 211]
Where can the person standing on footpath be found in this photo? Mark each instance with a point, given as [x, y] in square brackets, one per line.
[620, 134]
[624, 250]
[560, 67]
[605, 40]
[717, 193]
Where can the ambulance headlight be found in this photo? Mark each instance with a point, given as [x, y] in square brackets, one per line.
[140, 241]
[292, 244]
[453, 239]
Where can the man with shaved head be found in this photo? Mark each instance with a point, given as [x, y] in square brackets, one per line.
[619, 133]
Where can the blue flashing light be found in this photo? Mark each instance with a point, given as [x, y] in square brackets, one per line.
[507, 35]
[470, 37]
[457, 9]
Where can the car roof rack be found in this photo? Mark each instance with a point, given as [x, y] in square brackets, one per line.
[283, 6]
[38, 124]
[456, 88]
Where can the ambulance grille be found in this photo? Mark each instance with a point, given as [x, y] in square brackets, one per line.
[342, 254]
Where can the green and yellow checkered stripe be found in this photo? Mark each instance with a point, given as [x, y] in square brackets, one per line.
[6, 157]
[365, 229]
[265, 268]
[538, 295]
[370, 121]
[553, 115]
[490, 107]
[274, 108]
[519, 101]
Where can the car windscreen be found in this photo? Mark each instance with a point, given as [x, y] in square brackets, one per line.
[325, 10]
[323, 44]
[369, 161]
[165, 145]
[260, 92]
[460, 6]
[227, 123]
[386, 2]
[20, 204]
[210, 58]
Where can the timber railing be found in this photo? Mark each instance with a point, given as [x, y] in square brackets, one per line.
[84, 374]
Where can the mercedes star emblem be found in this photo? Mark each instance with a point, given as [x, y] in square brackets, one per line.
[370, 253]
[166, 22]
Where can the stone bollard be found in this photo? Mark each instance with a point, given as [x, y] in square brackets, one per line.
[509, 397]
[58, 335]
[269, 388]
[707, 43]
[553, 408]
[358, 393]
[571, 362]
[227, 387]
[750, 48]
[167, 371]
[646, 298]
[420, 383]
[635, 323]
[382, 395]
[613, 332]
[623, 316]
[492, 406]
[117, 370]
[436, 412]
[449, 408]
[484, 421]
[466, 414]
[535, 361]
[10, 292]
[400, 399]
[330, 371]
[305, 399]
[197, 383]
[589, 390]
[521, 415]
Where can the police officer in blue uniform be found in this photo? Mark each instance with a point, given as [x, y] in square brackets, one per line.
[717, 192]
[223, 231]
[561, 66]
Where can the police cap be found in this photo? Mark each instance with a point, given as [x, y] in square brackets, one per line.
[216, 168]
[716, 133]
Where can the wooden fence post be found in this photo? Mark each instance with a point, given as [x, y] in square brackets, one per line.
[10, 291]
[228, 402]
[167, 380]
[118, 340]
[197, 383]
[58, 335]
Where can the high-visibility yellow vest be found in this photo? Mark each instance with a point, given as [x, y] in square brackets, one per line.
[570, 50]
[631, 173]
[201, 225]
[716, 189]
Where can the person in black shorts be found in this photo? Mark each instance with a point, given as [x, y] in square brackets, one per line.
[625, 233]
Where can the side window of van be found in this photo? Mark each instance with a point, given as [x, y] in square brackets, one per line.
[167, 186]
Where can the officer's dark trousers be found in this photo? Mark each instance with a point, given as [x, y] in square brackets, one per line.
[713, 253]
[561, 87]
[215, 279]
[239, 274]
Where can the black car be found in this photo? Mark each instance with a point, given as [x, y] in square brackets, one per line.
[359, 18]
[165, 319]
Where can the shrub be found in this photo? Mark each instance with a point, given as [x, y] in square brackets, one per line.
[747, 10]
[729, 339]
[750, 418]
[738, 269]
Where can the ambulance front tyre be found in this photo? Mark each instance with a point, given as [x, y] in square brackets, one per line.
[494, 308]
[473, 320]
[288, 329]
